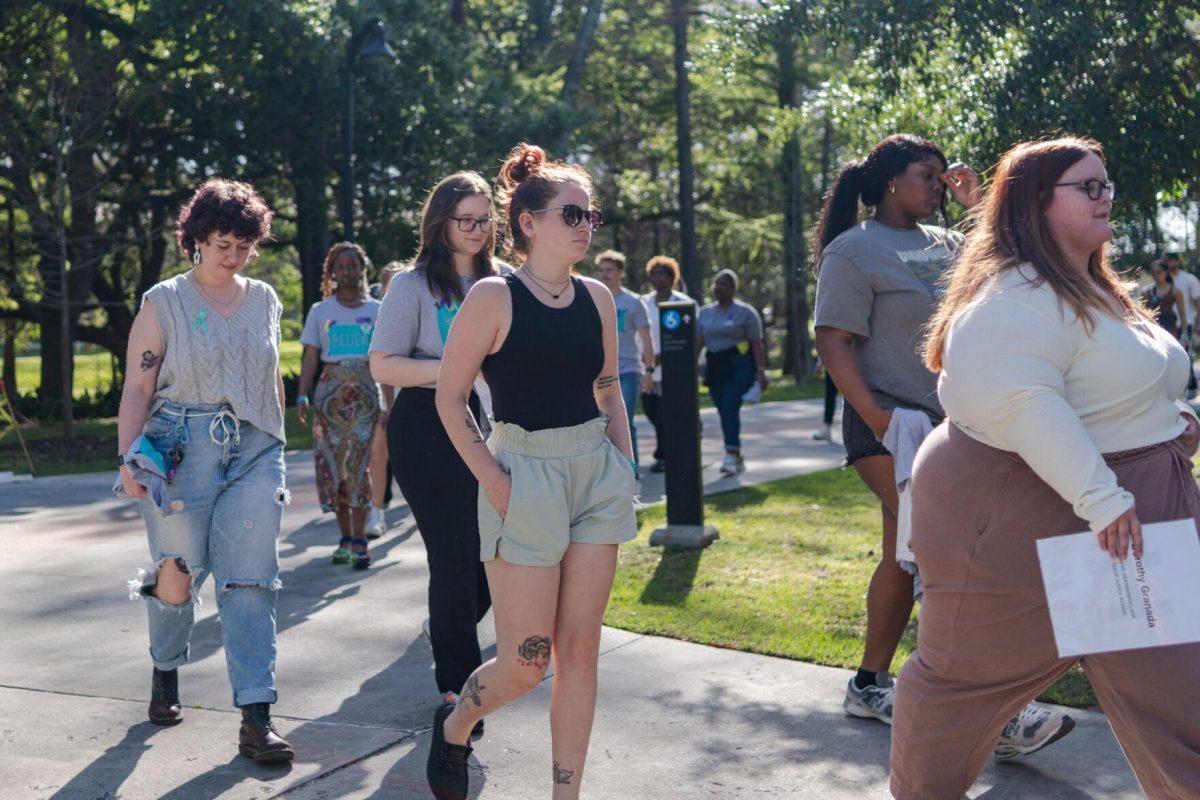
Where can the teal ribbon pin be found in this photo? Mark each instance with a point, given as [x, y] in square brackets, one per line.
[201, 323]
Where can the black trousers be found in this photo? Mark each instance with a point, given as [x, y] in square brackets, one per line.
[443, 496]
[651, 403]
[831, 393]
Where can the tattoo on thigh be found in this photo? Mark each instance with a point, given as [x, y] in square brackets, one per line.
[562, 775]
[149, 359]
[605, 381]
[534, 652]
[471, 692]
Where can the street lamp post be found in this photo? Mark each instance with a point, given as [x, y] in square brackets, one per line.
[368, 45]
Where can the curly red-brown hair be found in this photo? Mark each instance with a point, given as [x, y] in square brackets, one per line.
[528, 181]
[224, 206]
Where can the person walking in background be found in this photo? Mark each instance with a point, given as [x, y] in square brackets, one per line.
[731, 333]
[1164, 300]
[825, 434]
[1189, 285]
[204, 393]
[663, 272]
[378, 467]
[1063, 414]
[455, 251]
[347, 402]
[556, 478]
[634, 369]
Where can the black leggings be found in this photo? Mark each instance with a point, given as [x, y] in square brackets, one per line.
[651, 405]
[443, 496]
[831, 393]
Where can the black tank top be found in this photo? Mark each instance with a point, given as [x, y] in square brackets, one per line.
[543, 374]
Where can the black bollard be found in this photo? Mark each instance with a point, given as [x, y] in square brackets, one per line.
[679, 425]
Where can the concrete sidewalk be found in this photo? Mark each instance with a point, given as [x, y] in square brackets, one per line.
[675, 720]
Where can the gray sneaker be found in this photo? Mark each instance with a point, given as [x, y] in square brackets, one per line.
[1031, 730]
[873, 702]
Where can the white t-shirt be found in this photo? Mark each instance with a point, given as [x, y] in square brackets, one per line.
[1189, 285]
[1021, 373]
[650, 301]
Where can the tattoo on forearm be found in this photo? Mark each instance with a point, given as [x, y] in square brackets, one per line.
[561, 775]
[534, 652]
[474, 429]
[471, 692]
[605, 381]
[149, 360]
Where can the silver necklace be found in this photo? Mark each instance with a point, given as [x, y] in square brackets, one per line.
[212, 299]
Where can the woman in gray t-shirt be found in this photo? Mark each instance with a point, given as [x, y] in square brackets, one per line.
[878, 284]
[457, 241]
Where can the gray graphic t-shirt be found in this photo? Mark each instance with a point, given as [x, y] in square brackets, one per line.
[631, 317]
[882, 284]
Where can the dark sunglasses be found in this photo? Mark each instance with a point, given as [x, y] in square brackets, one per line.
[573, 215]
[468, 224]
[1095, 188]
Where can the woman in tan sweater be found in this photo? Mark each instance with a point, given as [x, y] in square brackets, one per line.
[1061, 397]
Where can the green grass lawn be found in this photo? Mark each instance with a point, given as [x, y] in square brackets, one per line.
[787, 578]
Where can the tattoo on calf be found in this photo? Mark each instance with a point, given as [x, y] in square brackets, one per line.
[534, 652]
[561, 775]
[605, 381]
[471, 692]
[149, 360]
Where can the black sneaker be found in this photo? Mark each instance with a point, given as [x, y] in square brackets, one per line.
[446, 768]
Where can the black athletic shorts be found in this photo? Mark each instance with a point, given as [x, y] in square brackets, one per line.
[858, 438]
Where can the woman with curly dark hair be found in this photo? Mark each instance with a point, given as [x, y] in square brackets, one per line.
[347, 403]
[201, 448]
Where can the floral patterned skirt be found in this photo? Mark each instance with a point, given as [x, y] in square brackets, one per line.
[346, 406]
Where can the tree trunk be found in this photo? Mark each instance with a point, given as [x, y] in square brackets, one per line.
[690, 259]
[795, 360]
[457, 9]
[568, 98]
[312, 232]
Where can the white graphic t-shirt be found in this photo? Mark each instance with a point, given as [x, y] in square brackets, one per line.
[340, 332]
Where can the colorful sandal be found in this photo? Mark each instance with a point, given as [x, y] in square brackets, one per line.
[362, 559]
[342, 555]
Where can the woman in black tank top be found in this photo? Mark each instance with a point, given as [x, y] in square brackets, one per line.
[556, 475]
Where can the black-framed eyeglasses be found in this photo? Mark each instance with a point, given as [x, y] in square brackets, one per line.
[468, 224]
[1095, 188]
[573, 215]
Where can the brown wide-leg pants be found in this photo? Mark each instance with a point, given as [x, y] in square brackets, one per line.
[985, 647]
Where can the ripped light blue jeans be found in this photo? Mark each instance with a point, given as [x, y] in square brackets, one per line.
[231, 485]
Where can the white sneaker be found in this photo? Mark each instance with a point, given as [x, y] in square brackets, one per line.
[375, 524]
[732, 464]
[824, 435]
[873, 702]
[1031, 730]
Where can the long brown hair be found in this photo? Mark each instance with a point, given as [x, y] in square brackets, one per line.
[332, 256]
[434, 255]
[528, 181]
[1010, 229]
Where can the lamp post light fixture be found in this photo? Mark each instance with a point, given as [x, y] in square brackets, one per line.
[368, 46]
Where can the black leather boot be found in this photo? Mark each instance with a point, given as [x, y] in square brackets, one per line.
[164, 698]
[258, 739]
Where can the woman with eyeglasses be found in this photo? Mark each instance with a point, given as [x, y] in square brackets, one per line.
[1063, 414]
[456, 244]
[347, 401]
[556, 476]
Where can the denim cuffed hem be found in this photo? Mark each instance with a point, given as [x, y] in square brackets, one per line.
[245, 697]
[174, 663]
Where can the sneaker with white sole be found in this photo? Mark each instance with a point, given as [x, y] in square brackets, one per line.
[824, 435]
[1031, 730]
[873, 702]
[732, 464]
[375, 523]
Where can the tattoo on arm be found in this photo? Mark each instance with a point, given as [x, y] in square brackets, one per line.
[473, 428]
[605, 381]
[561, 775]
[149, 360]
[534, 652]
[471, 692]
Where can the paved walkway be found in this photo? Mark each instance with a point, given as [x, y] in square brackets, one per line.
[675, 720]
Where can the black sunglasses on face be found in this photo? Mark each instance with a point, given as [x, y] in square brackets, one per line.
[573, 215]
[468, 224]
[1095, 188]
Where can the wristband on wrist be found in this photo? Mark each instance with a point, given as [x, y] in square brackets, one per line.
[302, 399]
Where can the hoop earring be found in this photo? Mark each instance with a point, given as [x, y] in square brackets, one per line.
[196, 255]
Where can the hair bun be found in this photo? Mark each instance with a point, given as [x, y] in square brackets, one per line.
[523, 161]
